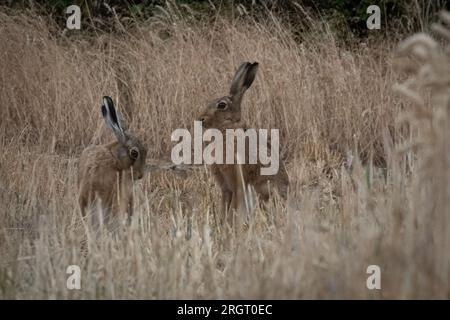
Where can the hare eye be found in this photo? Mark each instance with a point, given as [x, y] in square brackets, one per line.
[134, 153]
[222, 105]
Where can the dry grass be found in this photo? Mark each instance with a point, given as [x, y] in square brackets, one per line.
[327, 101]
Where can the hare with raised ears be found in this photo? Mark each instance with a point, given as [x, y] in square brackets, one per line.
[225, 113]
[106, 172]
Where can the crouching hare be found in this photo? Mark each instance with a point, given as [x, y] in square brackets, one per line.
[106, 172]
[236, 180]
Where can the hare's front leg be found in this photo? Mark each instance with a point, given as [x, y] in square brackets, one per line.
[126, 205]
[226, 193]
[226, 208]
[130, 209]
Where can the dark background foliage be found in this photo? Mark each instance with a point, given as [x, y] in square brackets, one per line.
[348, 17]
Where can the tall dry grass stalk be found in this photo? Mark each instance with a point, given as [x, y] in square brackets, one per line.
[327, 102]
[428, 87]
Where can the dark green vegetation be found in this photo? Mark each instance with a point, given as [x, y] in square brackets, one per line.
[346, 17]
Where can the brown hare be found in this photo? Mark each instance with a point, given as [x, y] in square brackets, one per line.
[234, 180]
[106, 172]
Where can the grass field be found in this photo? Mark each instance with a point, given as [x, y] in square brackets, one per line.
[331, 103]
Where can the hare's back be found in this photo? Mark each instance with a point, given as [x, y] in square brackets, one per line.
[97, 166]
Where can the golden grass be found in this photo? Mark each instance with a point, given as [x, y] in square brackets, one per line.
[327, 102]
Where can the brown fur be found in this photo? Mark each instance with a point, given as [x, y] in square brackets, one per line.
[106, 173]
[233, 179]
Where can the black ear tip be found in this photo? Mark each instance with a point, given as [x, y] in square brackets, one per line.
[108, 101]
[104, 111]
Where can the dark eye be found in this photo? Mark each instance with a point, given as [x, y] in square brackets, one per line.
[134, 153]
[222, 105]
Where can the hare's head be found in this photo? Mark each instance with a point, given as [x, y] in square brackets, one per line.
[130, 152]
[226, 111]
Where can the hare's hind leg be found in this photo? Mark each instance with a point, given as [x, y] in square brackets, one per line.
[263, 190]
[267, 189]
[91, 206]
[130, 210]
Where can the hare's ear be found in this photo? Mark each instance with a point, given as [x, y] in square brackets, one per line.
[111, 118]
[243, 78]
